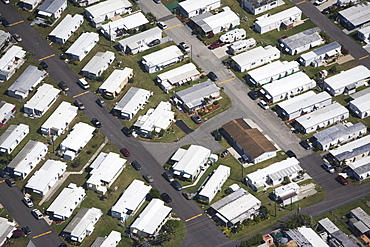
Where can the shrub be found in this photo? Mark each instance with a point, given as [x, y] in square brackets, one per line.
[216, 102]
[202, 113]
[210, 35]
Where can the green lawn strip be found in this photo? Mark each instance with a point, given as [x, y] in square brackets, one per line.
[339, 216]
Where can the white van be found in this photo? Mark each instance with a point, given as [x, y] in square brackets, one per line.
[6, 1]
[83, 83]
[37, 214]
[328, 167]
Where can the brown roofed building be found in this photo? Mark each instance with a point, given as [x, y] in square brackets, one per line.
[248, 141]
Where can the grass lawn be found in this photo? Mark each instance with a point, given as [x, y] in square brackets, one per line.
[340, 216]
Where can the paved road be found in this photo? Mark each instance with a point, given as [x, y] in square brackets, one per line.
[11, 199]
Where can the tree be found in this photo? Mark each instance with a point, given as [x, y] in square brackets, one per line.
[253, 241]
[300, 220]
[154, 193]
[264, 212]
[151, 17]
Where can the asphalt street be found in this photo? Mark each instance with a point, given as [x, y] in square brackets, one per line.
[42, 235]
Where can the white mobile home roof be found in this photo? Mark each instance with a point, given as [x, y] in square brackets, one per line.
[328, 225]
[47, 173]
[160, 117]
[79, 136]
[322, 114]
[98, 62]
[152, 216]
[115, 79]
[12, 133]
[312, 237]
[357, 15]
[103, 8]
[140, 36]
[287, 189]
[301, 39]
[191, 5]
[288, 83]
[212, 185]
[61, 117]
[303, 101]
[67, 200]
[190, 161]
[111, 240]
[127, 23]
[213, 21]
[348, 77]
[8, 57]
[348, 149]
[42, 98]
[194, 95]
[105, 167]
[255, 54]
[278, 17]
[67, 26]
[132, 197]
[81, 222]
[326, 50]
[133, 100]
[85, 40]
[5, 108]
[6, 230]
[27, 81]
[362, 103]
[361, 215]
[272, 69]
[181, 73]
[235, 207]
[30, 155]
[361, 166]
[162, 55]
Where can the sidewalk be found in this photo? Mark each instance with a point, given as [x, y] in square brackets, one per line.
[66, 174]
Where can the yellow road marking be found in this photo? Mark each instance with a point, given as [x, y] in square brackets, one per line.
[15, 23]
[227, 80]
[2, 181]
[300, 2]
[363, 57]
[42, 234]
[80, 94]
[52, 55]
[173, 26]
[196, 216]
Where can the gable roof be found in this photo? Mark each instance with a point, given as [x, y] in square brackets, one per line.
[193, 96]
[250, 139]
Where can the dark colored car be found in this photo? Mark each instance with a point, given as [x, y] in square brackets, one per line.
[148, 178]
[305, 145]
[96, 123]
[166, 198]
[126, 131]
[26, 230]
[176, 185]
[168, 176]
[342, 180]
[212, 76]
[63, 86]
[196, 119]
[253, 94]
[44, 65]
[216, 44]
[100, 102]
[5, 22]
[125, 152]
[10, 182]
[136, 165]
[154, 42]
[2, 173]
[290, 153]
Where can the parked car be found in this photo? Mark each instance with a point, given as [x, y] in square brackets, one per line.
[83, 83]
[26, 200]
[79, 104]
[17, 37]
[168, 176]
[26, 230]
[342, 180]
[37, 214]
[126, 131]
[162, 25]
[263, 104]
[154, 42]
[3, 20]
[157, 1]
[216, 44]
[125, 152]
[176, 185]
[2, 173]
[136, 165]
[298, 178]
[44, 65]
[290, 154]
[328, 167]
[100, 102]
[96, 123]
[148, 178]
[305, 144]
[166, 198]
[10, 182]
[319, 2]
[6, 1]
[212, 76]
[63, 86]
[188, 196]
[184, 47]
[196, 119]
[253, 94]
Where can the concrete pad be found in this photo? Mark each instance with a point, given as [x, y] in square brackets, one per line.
[221, 52]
